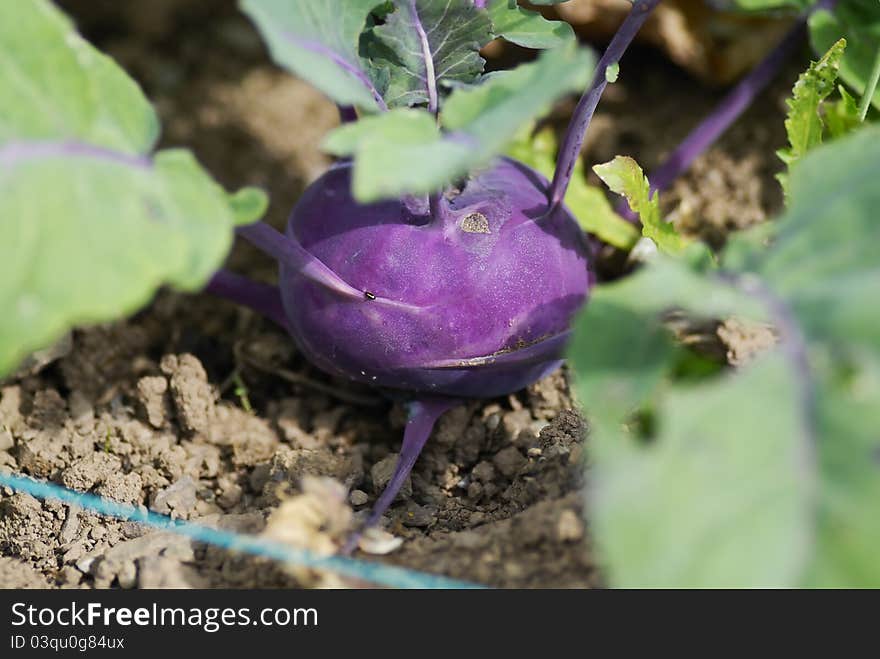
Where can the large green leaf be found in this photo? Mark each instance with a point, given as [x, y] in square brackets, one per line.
[826, 263]
[402, 152]
[424, 44]
[91, 223]
[766, 475]
[694, 508]
[55, 85]
[318, 40]
[527, 28]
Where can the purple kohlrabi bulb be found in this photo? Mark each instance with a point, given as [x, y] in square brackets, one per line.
[475, 303]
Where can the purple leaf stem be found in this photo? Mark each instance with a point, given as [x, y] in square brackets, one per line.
[289, 252]
[423, 414]
[583, 114]
[726, 113]
[265, 299]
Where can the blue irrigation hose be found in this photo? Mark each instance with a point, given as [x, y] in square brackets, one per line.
[376, 573]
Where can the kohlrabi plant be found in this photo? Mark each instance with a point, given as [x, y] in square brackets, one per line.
[449, 250]
[423, 262]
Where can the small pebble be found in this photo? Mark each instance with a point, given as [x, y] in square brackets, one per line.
[378, 542]
[358, 498]
[419, 516]
[127, 576]
[569, 528]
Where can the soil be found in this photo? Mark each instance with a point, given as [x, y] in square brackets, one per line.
[200, 409]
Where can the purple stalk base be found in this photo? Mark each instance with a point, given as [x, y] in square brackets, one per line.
[583, 114]
[728, 111]
[265, 299]
[291, 253]
[423, 414]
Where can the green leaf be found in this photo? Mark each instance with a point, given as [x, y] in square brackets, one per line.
[318, 41]
[397, 151]
[842, 115]
[494, 111]
[859, 22]
[621, 351]
[527, 28]
[849, 532]
[741, 515]
[406, 156]
[68, 89]
[91, 222]
[766, 475]
[612, 71]
[825, 260]
[398, 127]
[588, 204]
[804, 124]
[424, 44]
[248, 205]
[624, 177]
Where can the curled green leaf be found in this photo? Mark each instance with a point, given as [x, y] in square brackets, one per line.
[624, 177]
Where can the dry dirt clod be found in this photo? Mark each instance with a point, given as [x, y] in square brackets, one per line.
[6, 441]
[105, 565]
[178, 499]
[83, 474]
[193, 396]
[68, 577]
[381, 473]
[122, 488]
[252, 439]
[484, 471]
[16, 575]
[163, 572]
[70, 528]
[745, 340]
[11, 417]
[152, 396]
[509, 461]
